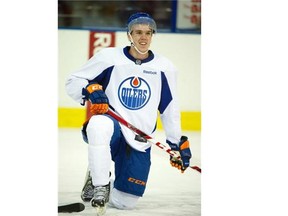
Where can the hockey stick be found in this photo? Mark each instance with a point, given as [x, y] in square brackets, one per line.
[70, 208]
[147, 137]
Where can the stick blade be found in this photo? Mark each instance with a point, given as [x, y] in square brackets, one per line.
[74, 207]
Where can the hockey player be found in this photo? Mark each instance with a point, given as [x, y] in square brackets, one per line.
[136, 83]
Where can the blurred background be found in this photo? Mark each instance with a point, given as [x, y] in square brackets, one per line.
[171, 16]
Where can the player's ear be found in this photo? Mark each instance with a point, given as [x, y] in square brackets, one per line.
[128, 37]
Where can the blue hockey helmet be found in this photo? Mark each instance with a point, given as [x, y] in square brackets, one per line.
[141, 18]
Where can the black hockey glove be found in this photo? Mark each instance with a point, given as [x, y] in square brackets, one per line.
[184, 152]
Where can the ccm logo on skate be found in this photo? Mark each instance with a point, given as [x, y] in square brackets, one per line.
[136, 181]
[134, 93]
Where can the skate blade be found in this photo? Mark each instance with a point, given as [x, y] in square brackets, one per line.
[100, 210]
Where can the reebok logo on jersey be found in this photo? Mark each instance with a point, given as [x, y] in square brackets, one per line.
[150, 72]
[134, 93]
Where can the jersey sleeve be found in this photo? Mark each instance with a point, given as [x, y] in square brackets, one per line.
[90, 71]
[169, 106]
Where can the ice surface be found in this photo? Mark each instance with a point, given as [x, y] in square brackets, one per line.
[168, 192]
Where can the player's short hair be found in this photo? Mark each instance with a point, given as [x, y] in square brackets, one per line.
[141, 18]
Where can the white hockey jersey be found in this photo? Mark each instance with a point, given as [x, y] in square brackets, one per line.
[136, 89]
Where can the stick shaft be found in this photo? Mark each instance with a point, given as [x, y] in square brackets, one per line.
[147, 137]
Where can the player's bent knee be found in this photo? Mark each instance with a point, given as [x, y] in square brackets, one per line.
[121, 200]
[100, 130]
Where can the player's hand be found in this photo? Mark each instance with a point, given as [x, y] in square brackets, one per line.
[95, 94]
[185, 153]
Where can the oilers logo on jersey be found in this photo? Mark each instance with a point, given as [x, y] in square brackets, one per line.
[134, 93]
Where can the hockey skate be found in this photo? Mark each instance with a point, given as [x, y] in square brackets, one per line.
[100, 199]
[88, 189]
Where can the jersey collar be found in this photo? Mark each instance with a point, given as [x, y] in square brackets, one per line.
[137, 61]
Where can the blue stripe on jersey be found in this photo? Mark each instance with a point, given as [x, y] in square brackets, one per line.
[104, 77]
[166, 96]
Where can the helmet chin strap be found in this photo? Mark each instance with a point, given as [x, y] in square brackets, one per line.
[132, 44]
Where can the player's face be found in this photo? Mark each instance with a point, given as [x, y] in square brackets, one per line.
[142, 36]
